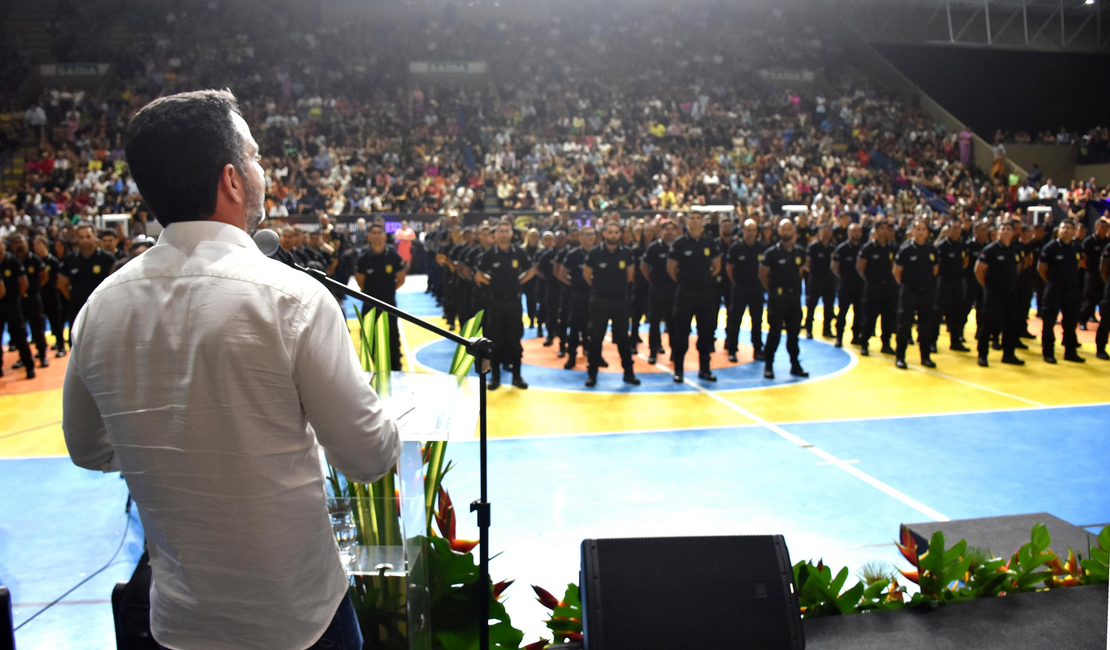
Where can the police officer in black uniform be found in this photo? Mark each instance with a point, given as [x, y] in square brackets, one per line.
[822, 283]
[639, 293]
[82, 271]
[380, 271]
[573, 242]
[479, 297]
[840, 230]
[849, 286]
[693, 263]
[880, 293]
[724, 242]
[49, 292]
[742, 268]
[503, 269]
[661, 299]
[448, 279]
[997, 272]
[1060, 262]
[1103, 333]
[14, 277]
[458, 255]
[31, 303]
[952, 256]
[609, 270]
[578, 296]
[780, 272]
[551, 289]
[973, 291]
[1092, 279]
[915, 268]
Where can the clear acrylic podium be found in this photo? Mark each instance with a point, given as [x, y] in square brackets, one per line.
[382, 539]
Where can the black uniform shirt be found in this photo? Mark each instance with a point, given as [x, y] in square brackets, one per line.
[846, 255]
[695, 261]
[1106, 290]
[820, 255]
[51, 264]
[951, 255]
[973, 248]
[840, 235]
[785, 266]
[1092, 249]
[1002, 264]
[1063, 262]
[86, 274]
[745, 263]
[380, 271]
[504, 268]
[722, 248]
[545, 262]
[34, 266]
[470, 257]
[573, 263]
[880, 261]
[610, 270]
[917, 264]
[806, 234]
[12, 269]
[656, 258]
[637, 257]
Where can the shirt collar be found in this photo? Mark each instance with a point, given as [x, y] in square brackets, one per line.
[185, 233]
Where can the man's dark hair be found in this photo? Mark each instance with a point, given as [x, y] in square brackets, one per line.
[101, 234]
[376, 225]
[176, 149]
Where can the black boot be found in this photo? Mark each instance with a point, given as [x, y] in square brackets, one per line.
[518, 381]
[679, 372]
[571, 360]
[958, 346]
[704, 372]
[630, 378]
[591, 378]
[732, 356]
[494, 378]
[768, 372]
[797, 370]
[928, 362]
[1073, 356]
[900, 363]
[839, 341]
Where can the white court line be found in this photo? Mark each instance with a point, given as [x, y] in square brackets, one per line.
[974, 385]
[823, 463]
[820, 453]
[931, 414]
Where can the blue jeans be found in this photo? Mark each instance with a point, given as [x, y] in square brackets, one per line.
[343, 633]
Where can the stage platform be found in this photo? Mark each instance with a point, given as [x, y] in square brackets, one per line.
[835, 463]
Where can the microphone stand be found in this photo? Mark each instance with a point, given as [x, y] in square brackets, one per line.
[481, 349]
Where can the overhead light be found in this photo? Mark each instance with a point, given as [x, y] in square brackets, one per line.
[1088, 2]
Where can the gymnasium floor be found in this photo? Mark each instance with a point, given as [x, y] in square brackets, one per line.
[834, 463]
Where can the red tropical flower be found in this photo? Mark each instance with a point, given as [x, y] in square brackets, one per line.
[545, 598]
[908, 545]
[462, 545]
[500, 587]
[538, 645]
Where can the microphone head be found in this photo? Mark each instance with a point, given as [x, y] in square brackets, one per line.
[267, 242]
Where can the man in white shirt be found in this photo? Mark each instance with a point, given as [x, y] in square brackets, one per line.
[246, 368]
[1048, 190]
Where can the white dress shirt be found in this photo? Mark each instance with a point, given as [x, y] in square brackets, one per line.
[196, 371]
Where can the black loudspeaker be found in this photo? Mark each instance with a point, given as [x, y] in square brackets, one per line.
[7, 628]
[689, 593]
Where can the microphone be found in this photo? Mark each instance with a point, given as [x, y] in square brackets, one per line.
[268, 242]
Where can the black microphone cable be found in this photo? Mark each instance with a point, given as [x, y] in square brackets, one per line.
[126, 529]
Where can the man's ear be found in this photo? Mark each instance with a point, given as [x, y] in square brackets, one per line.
[231, 184]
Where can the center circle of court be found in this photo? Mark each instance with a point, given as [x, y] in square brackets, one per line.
[542, 368]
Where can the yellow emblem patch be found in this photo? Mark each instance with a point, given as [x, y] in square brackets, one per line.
[1078, 257]
[7, 273]
[759, 258]
[707, 253]
[892, 256]
[389, 268]
[1017, 258]
[780, 291]
[516, 264]
[621, 265]
[96, 269]
[932, 258]
[30, 269]
[798, 261]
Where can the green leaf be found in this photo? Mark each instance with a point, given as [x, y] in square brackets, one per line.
[1041, 538]
[1104, 539]
[956, 552]
[571, 597]
[836, 585]
[1100, 555]
[933, 560]
[1096, 572]
[847, 602]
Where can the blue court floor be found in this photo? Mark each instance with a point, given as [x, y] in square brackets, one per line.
[907, 448]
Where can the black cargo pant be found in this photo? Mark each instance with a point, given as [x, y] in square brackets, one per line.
[1092, 294]
[451, 300]
[661, 308]
[949, 305]
[577, 321]
[820, 288]
[749, 299]
[880, 301]
[920, 304]
[602, 312]
[552, 315]
[689, 304]
[783, 312]
[503, 326]
[35, 316]
[973, 297]
[999, 315]
[1103, 332]
[640, 292]
[53, 310]
[1059, 300]
[850, 296]
[12, 316]
[394, 331]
